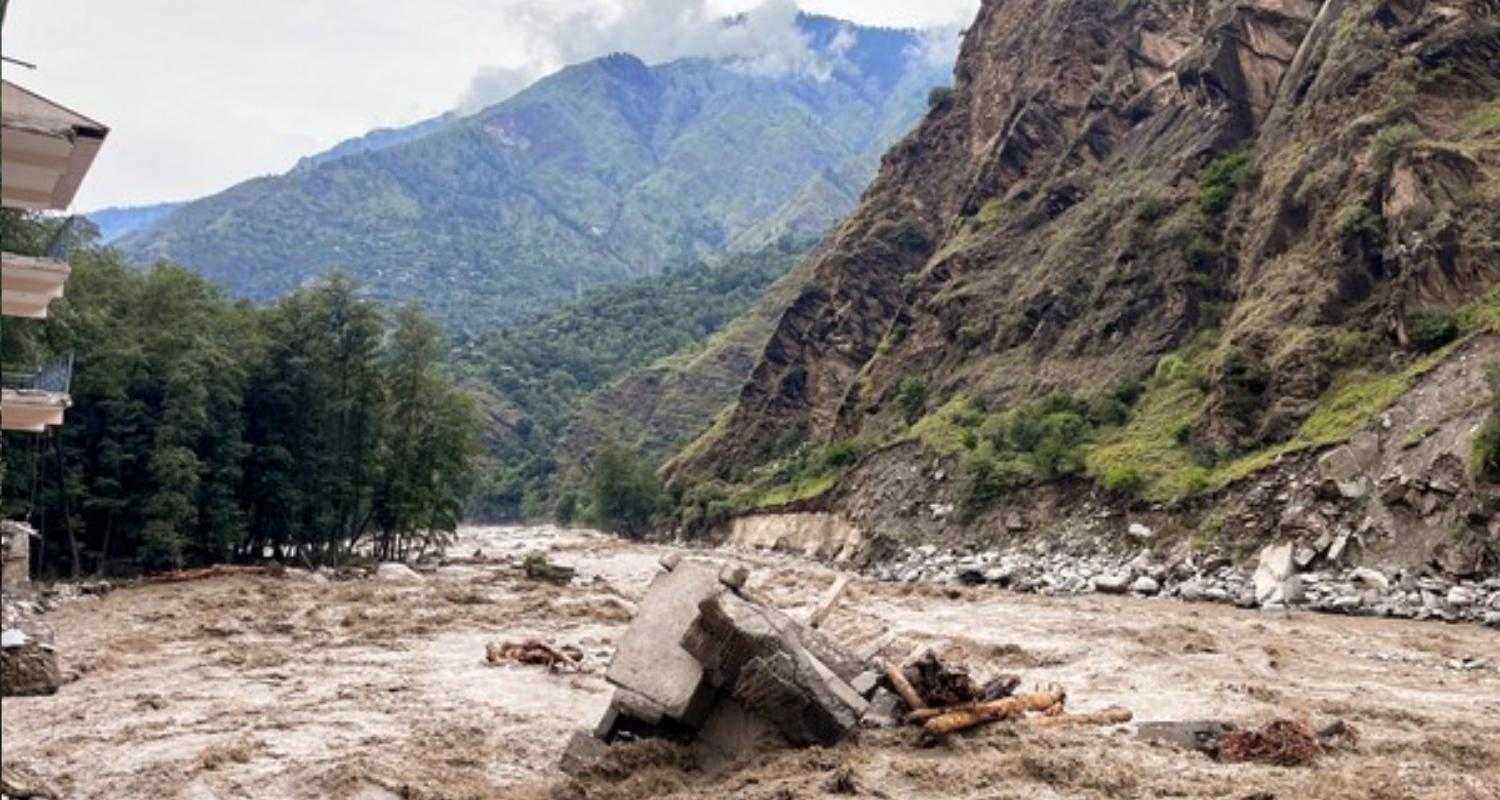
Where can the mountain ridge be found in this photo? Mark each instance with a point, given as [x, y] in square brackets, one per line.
[601, 172]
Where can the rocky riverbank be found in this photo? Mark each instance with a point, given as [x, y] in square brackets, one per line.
[1361, 591]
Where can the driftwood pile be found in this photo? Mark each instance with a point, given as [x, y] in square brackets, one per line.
[944, 700]
[566, 658]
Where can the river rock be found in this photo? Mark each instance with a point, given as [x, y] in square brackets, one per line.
[1370, 578]
[1117, 583]
[1145, 585]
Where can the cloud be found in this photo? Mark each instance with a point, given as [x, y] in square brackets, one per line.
[938, 46]
[764, 40]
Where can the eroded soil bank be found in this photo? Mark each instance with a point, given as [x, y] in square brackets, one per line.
[263, 687]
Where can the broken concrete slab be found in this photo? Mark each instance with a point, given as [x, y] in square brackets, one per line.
[885, 710]
[730, 732]
[757, 655]
[650, 661]
[582, 753]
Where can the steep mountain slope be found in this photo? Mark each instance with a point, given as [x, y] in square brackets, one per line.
[548, 375]
[605, 171]
[1160, 244]
[117, 221]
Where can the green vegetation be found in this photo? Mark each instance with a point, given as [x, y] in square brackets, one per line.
[1431, 328]
[627, 495]
[938, 96]
[1222, 179]
[203, 431]
[911, 398]
[1487, 441]
[544, 368]
[1388, 145]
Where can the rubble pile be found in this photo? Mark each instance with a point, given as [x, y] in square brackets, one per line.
[28, 661]
[706, 664]
[1286, 575]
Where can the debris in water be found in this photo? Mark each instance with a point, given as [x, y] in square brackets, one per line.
[1282, 742]
[534, 651]
[538, 567]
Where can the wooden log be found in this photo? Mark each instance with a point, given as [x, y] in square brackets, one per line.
[903, 687]
[829, 602]
[1114, 715]
[980, 713]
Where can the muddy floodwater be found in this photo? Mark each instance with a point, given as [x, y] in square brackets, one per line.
[267, 687]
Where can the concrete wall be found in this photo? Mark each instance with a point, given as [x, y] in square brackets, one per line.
[822, 536]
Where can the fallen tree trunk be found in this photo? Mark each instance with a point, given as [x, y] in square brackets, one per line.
[965, 717]
[903, 687]
[1114, 715]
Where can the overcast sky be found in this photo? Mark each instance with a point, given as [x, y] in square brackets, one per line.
[201, 94]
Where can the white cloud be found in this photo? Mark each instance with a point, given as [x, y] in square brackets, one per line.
[203, 94]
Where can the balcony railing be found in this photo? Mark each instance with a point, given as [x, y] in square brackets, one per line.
[56, 376]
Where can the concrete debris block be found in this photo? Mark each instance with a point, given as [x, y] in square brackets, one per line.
[729, 732]
[885, 710]
[806, 704]
[583, 752]
[394, 571]
[650, 660]
[760, 656]
[866, 683]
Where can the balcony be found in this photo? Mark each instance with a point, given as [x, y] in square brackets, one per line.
[31, 401]
[28, 284]
[45, 150]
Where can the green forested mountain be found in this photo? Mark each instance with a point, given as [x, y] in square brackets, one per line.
[533, 376]
[204, 429]
[605, 171]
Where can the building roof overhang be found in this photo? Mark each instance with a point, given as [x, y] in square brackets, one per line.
[29, 283]
[45, 150]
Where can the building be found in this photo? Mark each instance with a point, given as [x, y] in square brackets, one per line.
[45, 152]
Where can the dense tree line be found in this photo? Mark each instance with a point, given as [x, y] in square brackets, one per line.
[204, 430]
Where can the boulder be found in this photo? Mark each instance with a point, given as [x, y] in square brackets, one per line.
[1140, 532]
[1370, 578]
[1117, 583]
[1273, 577]
[1145, 585]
